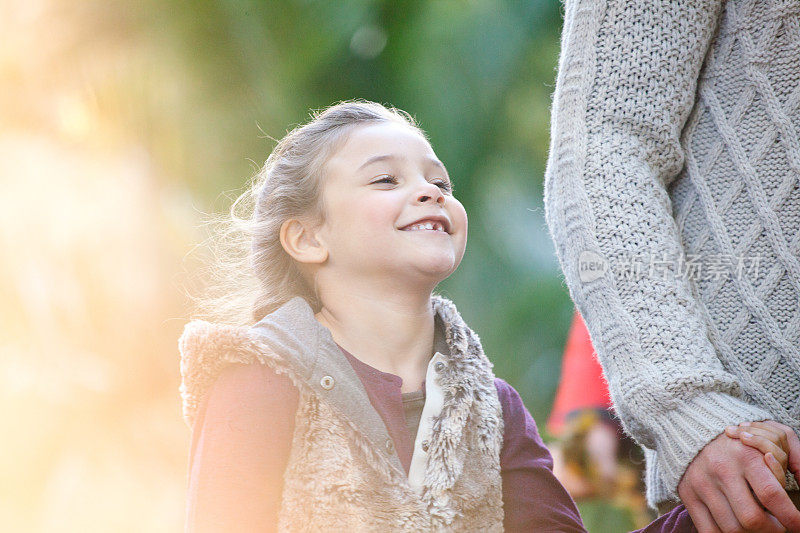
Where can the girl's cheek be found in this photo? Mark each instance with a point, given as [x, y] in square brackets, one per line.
[461, 213]
[379, 212]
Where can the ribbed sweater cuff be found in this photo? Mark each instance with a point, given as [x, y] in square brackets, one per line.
[681, 433]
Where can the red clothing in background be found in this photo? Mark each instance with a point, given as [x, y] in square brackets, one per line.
[582, 384]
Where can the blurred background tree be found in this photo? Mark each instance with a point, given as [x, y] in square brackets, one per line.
[121, 123]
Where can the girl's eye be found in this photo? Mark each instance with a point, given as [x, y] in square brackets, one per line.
[444, 185]
[386, 179]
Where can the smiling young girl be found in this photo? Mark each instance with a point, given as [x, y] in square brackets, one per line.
[354, 398]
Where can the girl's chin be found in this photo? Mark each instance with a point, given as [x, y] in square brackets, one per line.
[434, 271]
[425, 270]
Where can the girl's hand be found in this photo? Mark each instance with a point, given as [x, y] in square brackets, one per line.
[771, 439]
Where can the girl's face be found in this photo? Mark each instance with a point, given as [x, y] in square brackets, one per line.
[389, 210]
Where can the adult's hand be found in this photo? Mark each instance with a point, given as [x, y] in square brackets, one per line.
[716, 489]
[787, 437]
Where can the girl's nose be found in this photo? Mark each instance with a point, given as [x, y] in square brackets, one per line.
[430, 193]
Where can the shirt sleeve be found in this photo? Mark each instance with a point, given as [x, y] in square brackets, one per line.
[533, 499]
[675, 521]
[628, 74]
[240, 448]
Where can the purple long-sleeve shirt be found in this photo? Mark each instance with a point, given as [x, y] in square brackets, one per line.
[242, 437]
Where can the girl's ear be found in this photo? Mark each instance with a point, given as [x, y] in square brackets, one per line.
[299, 241]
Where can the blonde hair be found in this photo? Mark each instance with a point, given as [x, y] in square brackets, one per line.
[252, 275]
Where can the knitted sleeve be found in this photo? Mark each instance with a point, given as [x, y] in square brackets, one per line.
[626, 84]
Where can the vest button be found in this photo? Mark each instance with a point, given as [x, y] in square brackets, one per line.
[425, 445]
[439, 366]
[389, 445]
[326, 382]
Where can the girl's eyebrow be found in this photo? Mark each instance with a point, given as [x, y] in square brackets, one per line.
[387, 157]
[437, 163]
[376, 159]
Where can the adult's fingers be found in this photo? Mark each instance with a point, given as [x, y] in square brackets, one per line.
[770, 430]
[772, 495]
[701, 516]
[728, 499]
[717, 479]
[775, 467]
[793, 444]
[750, 516]
[765, 441]
[733, 431]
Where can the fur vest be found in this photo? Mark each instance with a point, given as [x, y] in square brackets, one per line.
[343, 472]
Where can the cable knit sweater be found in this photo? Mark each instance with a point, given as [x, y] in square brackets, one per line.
[672, 196]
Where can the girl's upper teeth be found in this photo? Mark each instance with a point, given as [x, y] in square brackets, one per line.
[427, 225]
